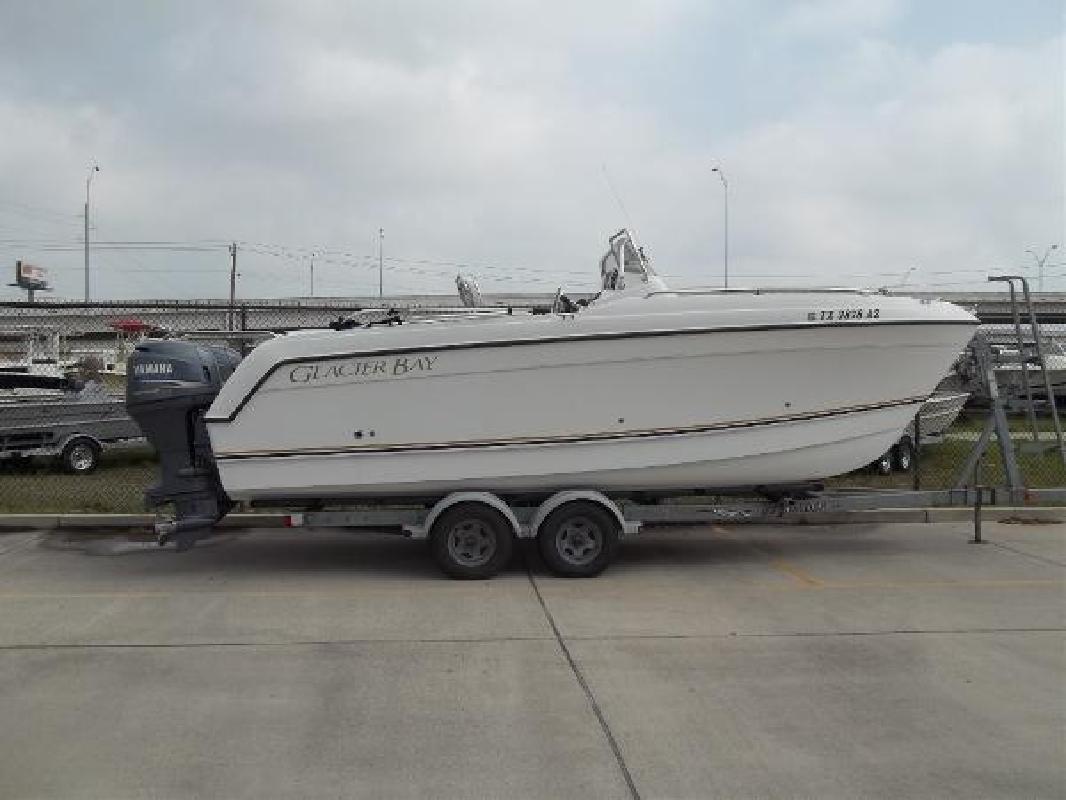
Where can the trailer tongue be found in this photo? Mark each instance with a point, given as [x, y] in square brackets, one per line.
[170, 385]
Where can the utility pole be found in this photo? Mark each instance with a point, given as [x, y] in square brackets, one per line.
[232, 284]
[88, 182]
[381, 261]
[725, 190]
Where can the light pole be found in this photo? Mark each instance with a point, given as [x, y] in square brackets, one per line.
[381, 261]
[88, 183]
[725, 193]
[312, 274]
[1040, 264]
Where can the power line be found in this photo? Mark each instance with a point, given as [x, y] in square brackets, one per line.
[24, 209]
[297, 253]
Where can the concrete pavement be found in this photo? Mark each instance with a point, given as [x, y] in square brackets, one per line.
[754, 661]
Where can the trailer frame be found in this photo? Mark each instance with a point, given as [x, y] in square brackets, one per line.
[526, 520]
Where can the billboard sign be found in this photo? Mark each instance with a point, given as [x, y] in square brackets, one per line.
[30, 276]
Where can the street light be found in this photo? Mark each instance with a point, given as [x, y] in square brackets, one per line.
[88, 183]
[1040, 264]
[725, 190]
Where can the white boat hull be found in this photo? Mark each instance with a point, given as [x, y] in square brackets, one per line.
[777, 454]
[681, 394]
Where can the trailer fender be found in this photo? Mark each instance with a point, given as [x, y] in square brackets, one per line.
[59, 447]
[421, 531]
[627, 527]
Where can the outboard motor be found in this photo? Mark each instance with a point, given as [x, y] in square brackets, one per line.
[169, 386]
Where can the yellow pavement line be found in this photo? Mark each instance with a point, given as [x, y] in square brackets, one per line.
[805, 578]
[976, 584]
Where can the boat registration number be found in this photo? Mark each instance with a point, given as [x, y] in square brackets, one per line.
[843, 314]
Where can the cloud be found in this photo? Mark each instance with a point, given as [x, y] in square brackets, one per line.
[822, 19]
[478, 133]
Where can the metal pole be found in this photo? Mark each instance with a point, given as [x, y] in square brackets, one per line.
[725, 237]
[88, 183]
[1023, 361]
[86, 243]
[916, 467]
[1043, 368]
[381, 261]
[232, 284]
[978, 499]
[312, 274]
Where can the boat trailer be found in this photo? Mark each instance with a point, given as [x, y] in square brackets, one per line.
[577, 532]
[472, 533]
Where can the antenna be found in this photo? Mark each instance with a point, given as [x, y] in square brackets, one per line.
[622, 208]
[906, 276]
[617, 197]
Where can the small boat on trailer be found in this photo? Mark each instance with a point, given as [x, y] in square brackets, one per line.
[70, 420]
[643, 390]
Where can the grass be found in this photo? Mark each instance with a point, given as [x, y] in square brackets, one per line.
[974, 422]
[119, 484]
[116, 486]
[939, 466]
[115, 384]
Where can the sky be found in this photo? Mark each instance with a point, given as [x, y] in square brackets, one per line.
[865, 142]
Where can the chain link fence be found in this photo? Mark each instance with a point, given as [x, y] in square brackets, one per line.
[91, 343]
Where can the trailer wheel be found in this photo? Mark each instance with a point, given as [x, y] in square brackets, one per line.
[578, 540]
[80, 456]
[883, 465]
[903, 455]
[472, 541]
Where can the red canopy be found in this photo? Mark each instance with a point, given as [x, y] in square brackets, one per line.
[131, 325]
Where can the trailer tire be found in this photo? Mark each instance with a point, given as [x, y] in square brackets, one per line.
[472, 541]
[80, 456]
[903, 455]
[884, 464]
[578, 540]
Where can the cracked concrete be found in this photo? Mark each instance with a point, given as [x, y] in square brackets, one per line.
[874, 660]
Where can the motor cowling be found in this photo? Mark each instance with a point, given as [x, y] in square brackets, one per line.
[170, 384]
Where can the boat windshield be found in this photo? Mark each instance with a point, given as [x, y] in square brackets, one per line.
[624, 264]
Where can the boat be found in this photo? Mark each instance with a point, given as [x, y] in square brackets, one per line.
[939, 413]
[643, 389]
[936, 415]
[43, 415]
[1011, 381]
[42, 351]
[469, 291]
[1016, 365]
